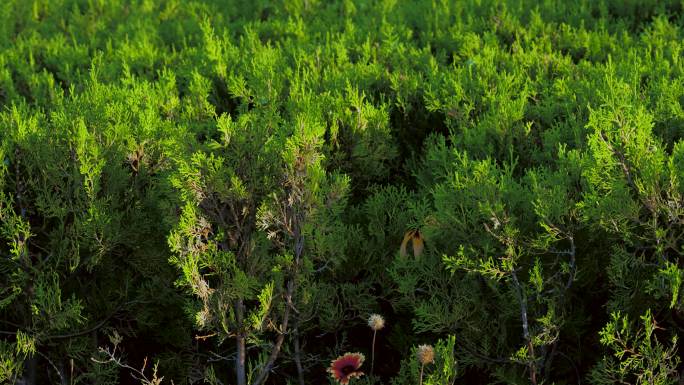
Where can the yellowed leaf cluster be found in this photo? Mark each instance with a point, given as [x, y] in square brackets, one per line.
[417, 242]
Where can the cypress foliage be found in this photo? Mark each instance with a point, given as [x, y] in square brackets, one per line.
[225, 192]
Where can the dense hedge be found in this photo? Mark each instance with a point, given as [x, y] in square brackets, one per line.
[223, 192]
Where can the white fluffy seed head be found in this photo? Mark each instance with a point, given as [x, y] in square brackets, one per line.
[376, 322]
[426, 354]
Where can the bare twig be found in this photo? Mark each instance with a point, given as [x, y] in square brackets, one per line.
[137, 374]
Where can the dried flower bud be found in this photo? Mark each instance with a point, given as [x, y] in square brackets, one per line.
[376, 322]
[426, 354]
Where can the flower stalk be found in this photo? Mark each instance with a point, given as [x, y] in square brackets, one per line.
[375, 322]
[426, 355]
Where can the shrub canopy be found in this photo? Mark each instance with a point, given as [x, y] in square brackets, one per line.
[224, 191]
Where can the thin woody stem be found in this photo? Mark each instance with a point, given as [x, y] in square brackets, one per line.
[298, 355]
[526, 329]
[240, 359]
[373, 352]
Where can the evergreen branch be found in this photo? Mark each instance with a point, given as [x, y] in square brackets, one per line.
[82, 332]
[94, 327]
[265, 371]
[623, 162]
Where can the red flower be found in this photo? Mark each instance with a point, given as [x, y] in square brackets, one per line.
[346, 367]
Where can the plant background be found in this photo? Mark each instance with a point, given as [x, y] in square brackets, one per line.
[164, 163]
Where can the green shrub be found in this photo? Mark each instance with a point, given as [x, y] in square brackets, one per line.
[224, 191]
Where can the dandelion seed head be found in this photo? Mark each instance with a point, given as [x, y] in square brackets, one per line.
[376, 322]
[426, 354]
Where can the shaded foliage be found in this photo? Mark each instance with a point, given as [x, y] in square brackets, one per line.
[222, 192]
